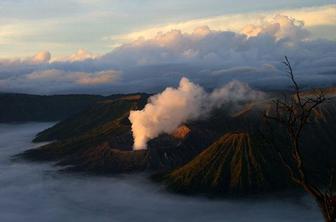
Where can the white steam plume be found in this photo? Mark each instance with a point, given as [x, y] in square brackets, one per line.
[168, 110]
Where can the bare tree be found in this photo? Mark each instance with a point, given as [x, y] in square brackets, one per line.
[294, 112]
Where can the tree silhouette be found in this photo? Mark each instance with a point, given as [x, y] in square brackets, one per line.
[293, 113]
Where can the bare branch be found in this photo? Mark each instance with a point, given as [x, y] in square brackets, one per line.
[294, 114]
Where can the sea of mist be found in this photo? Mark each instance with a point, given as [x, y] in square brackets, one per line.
[37, 192]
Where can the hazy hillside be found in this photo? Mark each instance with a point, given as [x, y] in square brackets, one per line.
[231, 151]
[107, 111]
[24, 107]
[106, 120]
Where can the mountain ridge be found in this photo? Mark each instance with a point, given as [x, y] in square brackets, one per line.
[103, 145]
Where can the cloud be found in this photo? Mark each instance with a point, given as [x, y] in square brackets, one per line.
[206, 56]
[212, 50]
[103, 77]
[52, 196]
[210, 46]
[41, 57]
[280, 27]
[80, 55]
[81, 78]
[28, 26]
[166, 111]
[310, 16]
[51, 81]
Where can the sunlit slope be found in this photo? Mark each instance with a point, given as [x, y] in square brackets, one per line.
[235, 163]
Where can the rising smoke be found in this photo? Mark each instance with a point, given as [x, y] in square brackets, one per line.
[174, 106]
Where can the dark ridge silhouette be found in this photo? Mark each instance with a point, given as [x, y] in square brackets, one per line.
[24, 107]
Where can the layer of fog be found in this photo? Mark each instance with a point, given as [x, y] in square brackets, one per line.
[35, 192]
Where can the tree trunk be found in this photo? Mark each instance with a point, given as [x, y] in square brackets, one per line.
[326, 205]
[328, 210]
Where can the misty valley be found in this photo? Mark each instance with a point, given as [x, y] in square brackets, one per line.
[170, 153]
[172, 111]
[37, 192]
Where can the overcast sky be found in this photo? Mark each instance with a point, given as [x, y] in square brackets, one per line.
[108, 46]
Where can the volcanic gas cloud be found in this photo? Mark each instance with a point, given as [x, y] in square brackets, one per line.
[169, 109]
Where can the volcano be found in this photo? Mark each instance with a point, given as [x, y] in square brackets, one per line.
[235, 163]
[223, 153]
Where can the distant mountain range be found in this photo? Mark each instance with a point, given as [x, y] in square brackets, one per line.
[25, 108]
[229, 152]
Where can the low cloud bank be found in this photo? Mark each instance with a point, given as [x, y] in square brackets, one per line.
[81, 78]
[174, 106]
[208, 57]
[35, 192]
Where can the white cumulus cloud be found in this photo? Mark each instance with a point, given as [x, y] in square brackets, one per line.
[207, 56]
